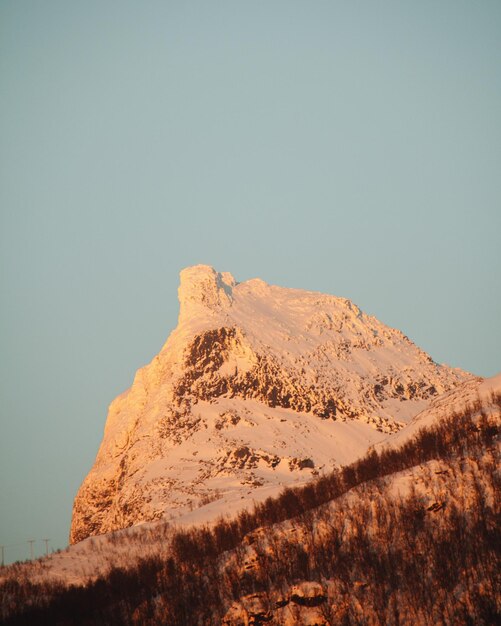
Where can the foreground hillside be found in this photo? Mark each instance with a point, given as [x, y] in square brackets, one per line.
[402, 536]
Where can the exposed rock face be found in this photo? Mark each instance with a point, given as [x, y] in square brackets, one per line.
[258, 386]
[303, 604]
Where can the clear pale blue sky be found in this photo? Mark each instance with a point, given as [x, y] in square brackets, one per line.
[348, 147]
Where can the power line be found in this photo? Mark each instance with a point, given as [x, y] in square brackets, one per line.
[3, 548]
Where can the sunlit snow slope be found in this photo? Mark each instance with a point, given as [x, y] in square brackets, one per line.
[257, 387]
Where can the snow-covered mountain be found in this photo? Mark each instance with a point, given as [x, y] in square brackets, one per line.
[259, 386]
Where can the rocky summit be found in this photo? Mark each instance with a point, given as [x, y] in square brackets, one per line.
[258, 387]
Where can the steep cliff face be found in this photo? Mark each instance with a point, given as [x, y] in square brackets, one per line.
[257, 387]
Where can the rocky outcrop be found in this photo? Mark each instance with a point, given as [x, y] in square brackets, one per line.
[209, 374]
[303, 604]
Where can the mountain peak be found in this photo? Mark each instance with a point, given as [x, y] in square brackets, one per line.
[203, 289]
[259, 386]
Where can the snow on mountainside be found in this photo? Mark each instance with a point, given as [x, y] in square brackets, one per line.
[477, 393]
[257, 387]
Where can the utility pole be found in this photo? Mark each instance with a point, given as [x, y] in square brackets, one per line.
[31, 542]
[46, 546]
